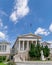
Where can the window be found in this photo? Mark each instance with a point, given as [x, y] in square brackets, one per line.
[30, 42]
[2, 47]
[34, 42]
[25, 45]
[21, 45]
[5, 47]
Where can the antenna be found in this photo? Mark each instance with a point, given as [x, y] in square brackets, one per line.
[30, 27]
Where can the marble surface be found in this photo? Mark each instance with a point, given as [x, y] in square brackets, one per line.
[35, 63]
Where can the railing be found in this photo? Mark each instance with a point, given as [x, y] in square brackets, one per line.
[34, 63]
[13, 51]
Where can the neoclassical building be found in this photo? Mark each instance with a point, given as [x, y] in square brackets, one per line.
[5, 49]
[49, 44]
[22, 45]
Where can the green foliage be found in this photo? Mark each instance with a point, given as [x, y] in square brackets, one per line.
[2, 64]
[32, 49]
[42, 47]
[46, 51]
[35, 50]
[2, 58]
[11, 63]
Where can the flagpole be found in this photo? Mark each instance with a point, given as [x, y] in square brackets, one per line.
[30, 27]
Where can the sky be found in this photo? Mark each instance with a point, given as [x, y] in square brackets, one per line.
[19, 17]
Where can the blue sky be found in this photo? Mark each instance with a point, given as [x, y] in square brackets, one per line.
[19, 17]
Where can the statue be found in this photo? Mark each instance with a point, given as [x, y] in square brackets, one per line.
[42, 56]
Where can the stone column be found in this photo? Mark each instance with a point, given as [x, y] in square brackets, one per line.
[36, 42]
[27, 45]
[39, 42]
[19, 45]
[32, 42]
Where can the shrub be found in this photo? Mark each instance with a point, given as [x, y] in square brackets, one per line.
[46, 51]
[2, 58]
[35, 51]
[11, 63]
[31, 52]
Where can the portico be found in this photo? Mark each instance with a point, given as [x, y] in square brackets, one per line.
[24, 45]
[23, 42]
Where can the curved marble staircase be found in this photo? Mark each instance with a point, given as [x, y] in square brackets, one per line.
[20, 57]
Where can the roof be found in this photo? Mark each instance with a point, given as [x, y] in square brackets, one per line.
[45, 43]
[4, 42]
[30, 35]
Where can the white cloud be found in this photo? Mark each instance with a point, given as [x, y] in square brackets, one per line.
[42, 31]
[2, 35]
[21, 9]
[2, 26]
[3, 30]
[50, 27]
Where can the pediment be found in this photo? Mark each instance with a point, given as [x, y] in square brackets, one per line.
[30, 36]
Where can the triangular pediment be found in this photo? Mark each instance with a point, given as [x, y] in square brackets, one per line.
[30, 36]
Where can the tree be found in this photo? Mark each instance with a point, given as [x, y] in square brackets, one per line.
[35, 50]
[46, 51]
[32, 49]
[38, 50]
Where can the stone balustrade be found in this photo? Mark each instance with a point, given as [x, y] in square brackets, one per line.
[34, 63]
